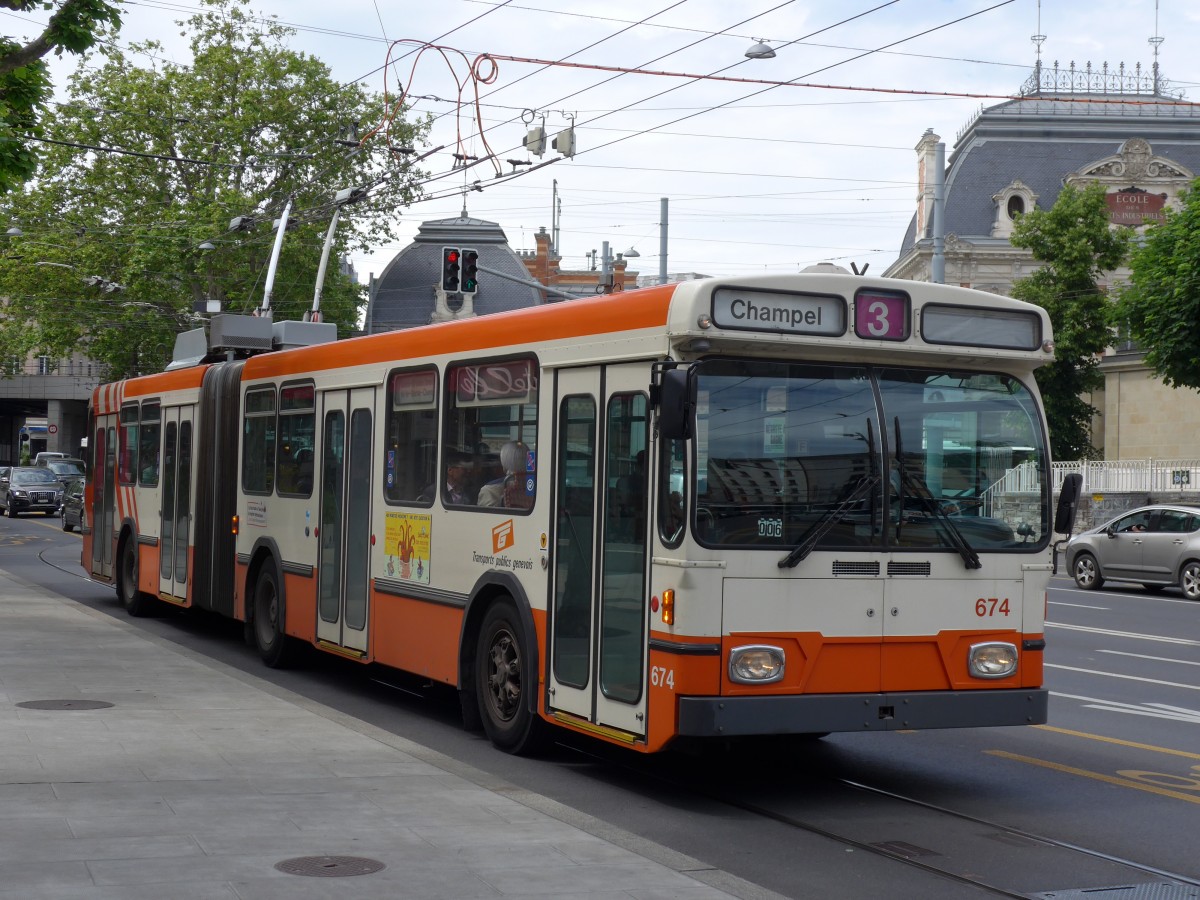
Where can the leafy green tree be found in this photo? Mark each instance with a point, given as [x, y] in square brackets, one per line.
[75, 26]
[1161, 304]
[1075, 244]
[128, 223]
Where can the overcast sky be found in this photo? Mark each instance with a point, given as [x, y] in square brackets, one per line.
[759, 178]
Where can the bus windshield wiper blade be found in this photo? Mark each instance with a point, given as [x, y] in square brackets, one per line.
[921, 491]
[827, 521]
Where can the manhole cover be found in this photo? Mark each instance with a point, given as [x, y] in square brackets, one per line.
[330, 866]
[64, 704]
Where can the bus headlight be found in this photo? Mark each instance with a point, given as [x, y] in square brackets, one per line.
[994, 659]
[757, 664]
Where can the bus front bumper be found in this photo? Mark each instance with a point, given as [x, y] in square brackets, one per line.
[815, 713]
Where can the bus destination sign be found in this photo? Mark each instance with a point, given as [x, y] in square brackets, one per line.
[822, 314]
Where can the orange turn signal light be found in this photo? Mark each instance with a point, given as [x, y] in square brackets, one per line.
[668, 606]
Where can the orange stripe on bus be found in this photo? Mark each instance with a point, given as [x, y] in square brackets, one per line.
[178, 380]
[579, 318]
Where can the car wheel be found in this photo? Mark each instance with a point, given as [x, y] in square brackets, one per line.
[1086, 572]
[11, 510]
[502, 677]
[66, 526]
[1189, 580]
[135, 602]
[275, 648]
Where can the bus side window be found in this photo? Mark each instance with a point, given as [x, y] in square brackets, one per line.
[296, 439]
[490, 406]
[258, 442]
[672, 492]
[148, 443]
[411, 450]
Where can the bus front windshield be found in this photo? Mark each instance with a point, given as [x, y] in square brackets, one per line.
[866, 457]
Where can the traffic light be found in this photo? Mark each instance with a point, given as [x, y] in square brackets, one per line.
[451, 262]
[470, 271]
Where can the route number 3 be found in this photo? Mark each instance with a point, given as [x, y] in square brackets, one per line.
[881, 315]
[660, 676]
[991, 606]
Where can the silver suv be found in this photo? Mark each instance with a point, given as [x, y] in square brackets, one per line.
[1154, 546]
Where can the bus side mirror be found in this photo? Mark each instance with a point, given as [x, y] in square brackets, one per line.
[1068, 503]
[676, 404]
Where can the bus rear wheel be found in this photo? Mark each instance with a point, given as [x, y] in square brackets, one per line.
[502, 677]
[274, 646]
[136, 603]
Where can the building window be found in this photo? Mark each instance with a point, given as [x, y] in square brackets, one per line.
[1016, 206]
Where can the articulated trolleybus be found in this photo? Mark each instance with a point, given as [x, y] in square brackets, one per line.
[723, 508]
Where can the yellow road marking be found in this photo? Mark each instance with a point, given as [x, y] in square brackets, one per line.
[1098, 776]
[1109, 740]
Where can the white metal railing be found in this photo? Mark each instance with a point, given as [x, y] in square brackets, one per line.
[1131, 475]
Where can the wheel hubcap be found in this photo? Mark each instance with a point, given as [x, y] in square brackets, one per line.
[267, 614]
[504, 676]
[1191, 582]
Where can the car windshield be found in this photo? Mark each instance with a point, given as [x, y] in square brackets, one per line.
[64, 468]
[33, 476]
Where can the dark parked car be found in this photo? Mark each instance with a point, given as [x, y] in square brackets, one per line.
[1153, 546]
[72, 506]
[30, 489]
[65, 469]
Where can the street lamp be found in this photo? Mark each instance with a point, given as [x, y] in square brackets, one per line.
[760, 49]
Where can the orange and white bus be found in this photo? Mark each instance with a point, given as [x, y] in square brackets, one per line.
[720, 508]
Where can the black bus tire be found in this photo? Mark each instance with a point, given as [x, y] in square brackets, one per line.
[136, 603]
[502, 679]
[274, 646]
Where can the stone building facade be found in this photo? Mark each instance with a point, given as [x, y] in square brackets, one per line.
[1125, 131]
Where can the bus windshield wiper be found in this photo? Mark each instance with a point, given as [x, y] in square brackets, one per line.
[865, 484]
[919, 489]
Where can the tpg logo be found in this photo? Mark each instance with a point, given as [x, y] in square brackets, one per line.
[502, 536]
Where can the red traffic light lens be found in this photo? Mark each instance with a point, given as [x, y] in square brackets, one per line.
[452, 256]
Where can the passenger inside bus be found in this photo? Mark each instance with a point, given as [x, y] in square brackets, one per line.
[457, 482]
[509, 489]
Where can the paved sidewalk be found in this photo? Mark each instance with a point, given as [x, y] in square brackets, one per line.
[199, 780]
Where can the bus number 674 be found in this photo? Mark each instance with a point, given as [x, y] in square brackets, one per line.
[991, 606]
[661, 676]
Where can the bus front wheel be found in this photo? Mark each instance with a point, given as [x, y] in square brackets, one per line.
[274, 645]
[502, 677]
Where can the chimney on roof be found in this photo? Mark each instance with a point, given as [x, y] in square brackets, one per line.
[926, 162]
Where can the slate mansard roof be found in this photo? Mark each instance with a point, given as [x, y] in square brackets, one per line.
[1041, 139]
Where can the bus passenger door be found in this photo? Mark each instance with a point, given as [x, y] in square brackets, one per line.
[343, 564]
[104, 498]
[597, 650]
[175, 496]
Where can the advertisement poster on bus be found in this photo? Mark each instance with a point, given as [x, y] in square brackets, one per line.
[406, 542]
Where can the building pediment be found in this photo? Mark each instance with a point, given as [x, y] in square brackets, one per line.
[1134, 163]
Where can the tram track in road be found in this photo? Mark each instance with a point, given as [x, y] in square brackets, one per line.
[990, 857]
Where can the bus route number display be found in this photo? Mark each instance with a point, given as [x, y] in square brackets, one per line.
[882, 315]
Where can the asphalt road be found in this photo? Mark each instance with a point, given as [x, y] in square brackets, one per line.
[1105, 796]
